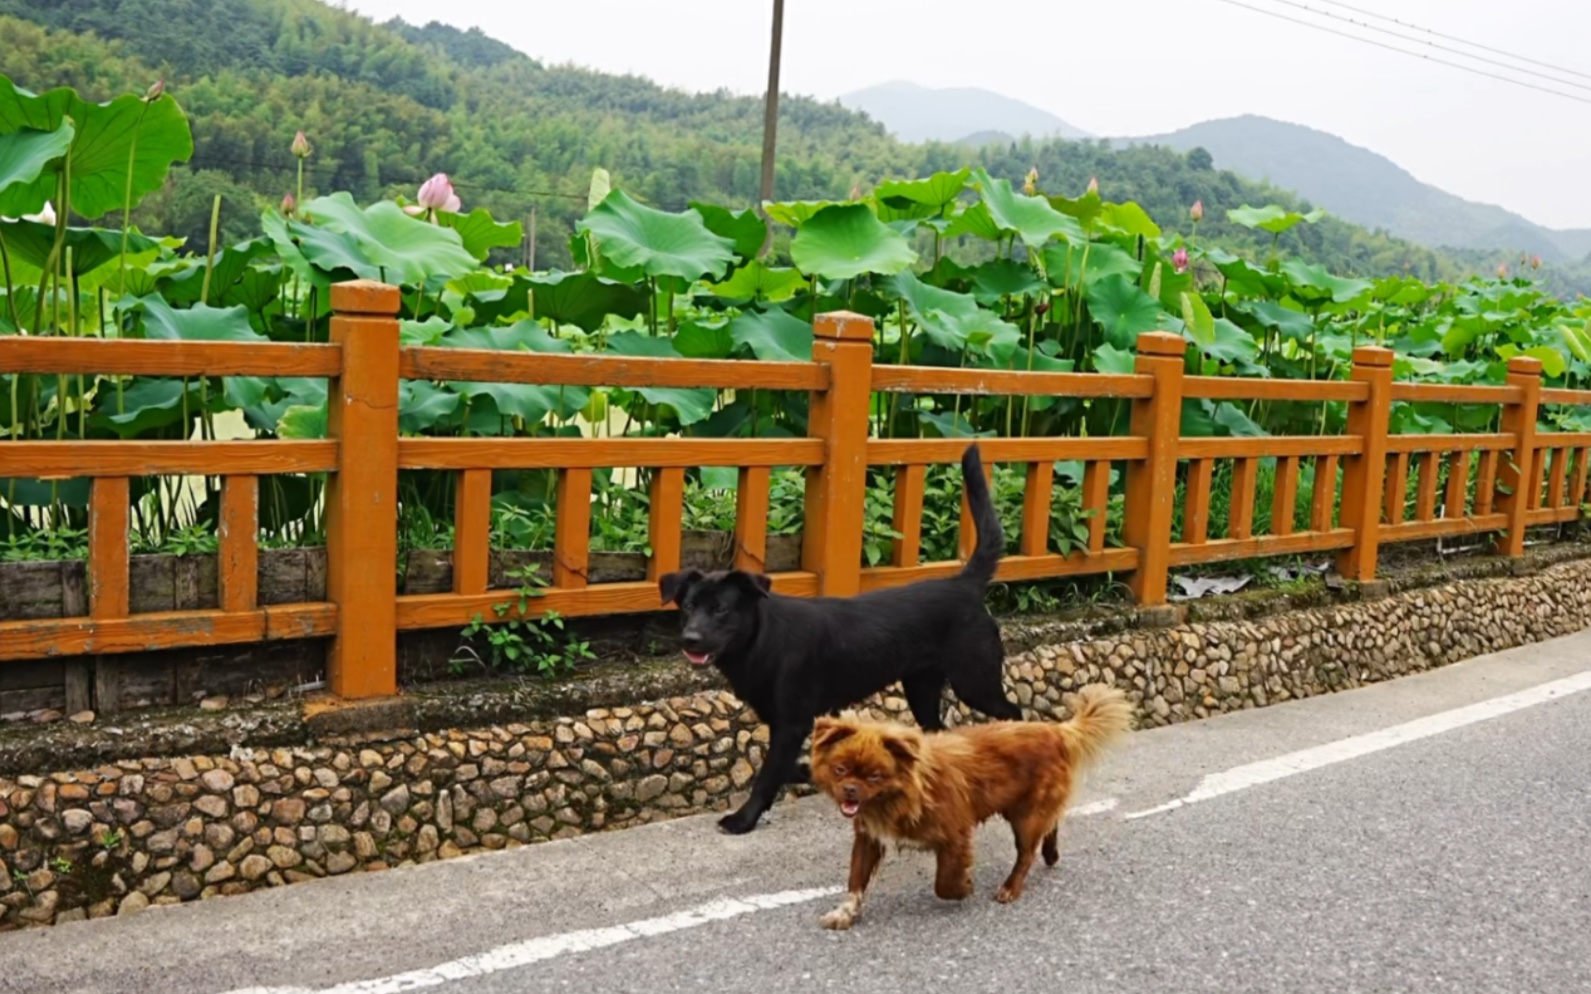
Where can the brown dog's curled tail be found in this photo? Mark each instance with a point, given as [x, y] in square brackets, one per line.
[1100, 715]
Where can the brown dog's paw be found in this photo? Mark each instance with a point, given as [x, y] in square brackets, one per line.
[840, 918]
[1006, 894]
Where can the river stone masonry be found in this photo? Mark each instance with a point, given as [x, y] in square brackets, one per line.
[120, 838]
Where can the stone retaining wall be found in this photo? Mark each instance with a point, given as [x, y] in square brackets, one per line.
[116, 839]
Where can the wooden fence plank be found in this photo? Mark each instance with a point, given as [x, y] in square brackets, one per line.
[751, 519]
[472, 531]
[238, 568]
[908, 523]
[666, 521]
[1323, 500]
[1457, 485]
[572, 539]
[1284, 499]
[1245, 482]
[142, 357]
[493, 366]
[597, 453]
[1096, 503]
[1196, 501]
[1036, 494]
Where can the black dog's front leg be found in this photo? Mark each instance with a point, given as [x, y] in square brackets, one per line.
[779, 768]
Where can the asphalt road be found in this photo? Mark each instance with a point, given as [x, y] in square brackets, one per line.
[1430, 834]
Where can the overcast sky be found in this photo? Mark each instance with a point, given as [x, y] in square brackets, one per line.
[1164, 65]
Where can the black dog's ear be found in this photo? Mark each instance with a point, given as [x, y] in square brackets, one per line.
[758, 584]
[672, 586]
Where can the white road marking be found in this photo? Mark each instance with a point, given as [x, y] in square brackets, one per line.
[548, 947]
[1096, 808]
[1304, 760]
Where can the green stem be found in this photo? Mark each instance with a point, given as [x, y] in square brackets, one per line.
[11, 293]
[127, 200]
[209, 259]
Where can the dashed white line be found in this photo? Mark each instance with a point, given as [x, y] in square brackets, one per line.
[1304, 760]
[548, 947]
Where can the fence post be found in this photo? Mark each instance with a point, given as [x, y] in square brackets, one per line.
[1152, 483]
[831, 541]
[362, 496]
[1517, 473]
[1364, 474]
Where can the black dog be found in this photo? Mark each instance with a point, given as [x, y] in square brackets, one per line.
[793, 658]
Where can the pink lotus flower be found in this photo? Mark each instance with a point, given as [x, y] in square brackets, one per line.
[1093, 185]
[1535, 262]
[1502, 270]
[1197, 211]
[856, 191]
[436, 194]
[1179, 259]
[300, 146]
[154, 92]
[289, 205]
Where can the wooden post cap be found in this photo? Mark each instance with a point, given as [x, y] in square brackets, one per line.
[1161, 343]
[1372, 355]
[365, 297]
[1525, 365]
[843, 326]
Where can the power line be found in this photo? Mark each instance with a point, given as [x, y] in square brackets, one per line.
[1461, 41]
[1404, 51]
[1439, 47]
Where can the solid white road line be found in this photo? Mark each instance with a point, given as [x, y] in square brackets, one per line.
[1304, 760]
[1096, 808]
[548, 947]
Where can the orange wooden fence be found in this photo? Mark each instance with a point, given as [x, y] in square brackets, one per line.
[1522, 479]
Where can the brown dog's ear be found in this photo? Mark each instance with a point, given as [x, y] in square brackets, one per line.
[672, 586]
[904, 749]
[829, 732]
[758, 584]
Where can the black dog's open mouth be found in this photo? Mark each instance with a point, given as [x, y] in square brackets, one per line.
[850, 808]
[698, 658]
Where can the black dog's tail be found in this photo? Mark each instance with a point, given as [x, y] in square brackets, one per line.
[991, 538]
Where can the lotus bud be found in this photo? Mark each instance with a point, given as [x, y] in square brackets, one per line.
[300, 146]
[1179, 259]
[856, 191]
[1030, 185]
[1502, 270]
[436, 194]
[1197, 211]
[154, 92]
[44, 216]
[1535, 262]
[1093, 185]
[1041, 308]
[289, 205]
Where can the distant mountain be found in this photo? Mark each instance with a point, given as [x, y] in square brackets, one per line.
[916, 113]
[1359, 185]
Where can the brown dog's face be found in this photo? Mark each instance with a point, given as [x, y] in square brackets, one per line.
[857, 763]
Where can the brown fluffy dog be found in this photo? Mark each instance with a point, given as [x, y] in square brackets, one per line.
[930, 791]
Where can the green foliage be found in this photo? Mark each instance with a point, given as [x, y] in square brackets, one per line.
[519, 643]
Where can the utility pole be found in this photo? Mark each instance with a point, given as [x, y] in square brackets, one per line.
[770, 120]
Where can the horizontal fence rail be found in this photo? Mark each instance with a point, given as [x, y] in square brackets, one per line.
[1348, 494]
